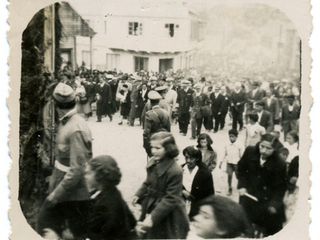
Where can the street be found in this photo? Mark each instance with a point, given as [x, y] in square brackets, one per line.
[124, 143]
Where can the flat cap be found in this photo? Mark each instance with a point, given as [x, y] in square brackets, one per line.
[169, 79]
[63, 93]
[197, 86]
[109, 76]
[154, 95]
[153, 78]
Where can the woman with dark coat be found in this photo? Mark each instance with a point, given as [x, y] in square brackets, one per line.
[109, 215]
[163, 213]
[262, 183]
[197, 179]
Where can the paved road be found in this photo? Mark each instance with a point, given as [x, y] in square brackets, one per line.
[124, 143]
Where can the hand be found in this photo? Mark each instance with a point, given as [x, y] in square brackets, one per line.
[51, 201]
[186, 194]
[238, 104]
[272, 210]
[219, 113]
[140, 230]
[135, 200]
[147, 223]
[242, 191]
[293, 180]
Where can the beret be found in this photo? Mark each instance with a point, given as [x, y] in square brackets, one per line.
[63, 93]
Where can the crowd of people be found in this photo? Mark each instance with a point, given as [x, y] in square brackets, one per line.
[177, 201]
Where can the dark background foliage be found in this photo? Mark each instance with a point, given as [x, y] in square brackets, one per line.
[36, 84]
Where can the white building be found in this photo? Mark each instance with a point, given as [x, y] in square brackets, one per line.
[154, 36]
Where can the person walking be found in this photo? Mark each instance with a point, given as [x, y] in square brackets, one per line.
[238, 99]
[104, 98]
[184, 100]
[216, 105]
[68, 196]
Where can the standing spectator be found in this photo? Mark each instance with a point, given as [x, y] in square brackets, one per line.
[254, 130]
[264, 117]
[133, 96]
[262, 175]
[208, 120]
[157, 119]
[171, 97]
[238, 99]
[271, 104]
[68, 196]
[125, 103]
[197, 179]
[184, 100]
[142, 98]
[290, 116]
[292, 144]
[104, 98]
[109, 216]
[216, 106]
[113, 83]
[199, 100]
[225, 106]
[232, 154]
[163, 213]
[254, 95]
[209, 156]
[82, 103]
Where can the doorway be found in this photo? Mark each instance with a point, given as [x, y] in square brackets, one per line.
[165, 64]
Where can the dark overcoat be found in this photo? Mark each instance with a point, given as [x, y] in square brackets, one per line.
[160, 196]
[104, 104]
[267, 183]
[184, 99]
[216, 103]
[110, 217]
[202, 187]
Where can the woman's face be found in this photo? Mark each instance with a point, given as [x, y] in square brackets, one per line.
[190, 161]
[90, 177]
[266, 149]
[157, 150]
[205, 224]
[289, 139]
[203, 143]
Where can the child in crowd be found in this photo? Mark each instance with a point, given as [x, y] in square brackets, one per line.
[220, 217]
[292, 144]
[209, 156]
[254, 130]
[163, 212]
[233, 153]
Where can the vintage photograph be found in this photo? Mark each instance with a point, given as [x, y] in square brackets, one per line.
[162, 120]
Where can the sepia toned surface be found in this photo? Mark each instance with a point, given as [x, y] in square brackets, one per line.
[302, 22]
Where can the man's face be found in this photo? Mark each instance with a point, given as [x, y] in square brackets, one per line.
[290, 101]
[217, 89]
[268, 93]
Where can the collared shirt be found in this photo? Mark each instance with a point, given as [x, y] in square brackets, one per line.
[68, 114]
[259, 116]
[269, 101]
[93, 196]
[254, 92]
[216, 95]
[290, 108]
[186, 90]
[233, 153]
[188, 177]
[198, 94]
[262, 161]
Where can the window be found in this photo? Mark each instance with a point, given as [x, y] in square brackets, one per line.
[86, 57]
[135, 28]
[170, 26]
[113, 61]
[140, 63]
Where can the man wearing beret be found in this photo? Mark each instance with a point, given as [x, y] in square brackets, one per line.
[68, 196]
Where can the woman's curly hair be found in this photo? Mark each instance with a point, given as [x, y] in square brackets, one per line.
[106, 170]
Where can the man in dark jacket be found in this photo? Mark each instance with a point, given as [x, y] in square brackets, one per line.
[184, 100]
[238, 99]
[104, 99]
[225, 106]
[156, 119]
[265, 118]
[216, 106]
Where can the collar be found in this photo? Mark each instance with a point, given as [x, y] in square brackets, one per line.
[162, 166]
[155, 106]
[186, 90]
[95, 194]
[237, 91]
[68, 115]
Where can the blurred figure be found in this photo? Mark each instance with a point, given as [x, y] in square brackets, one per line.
[220, 217]
[209, 156]
[271, 104]
[290, 116]
[216, 107]
[264, 117]
[238, 99]
[254, 130]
